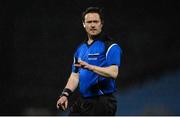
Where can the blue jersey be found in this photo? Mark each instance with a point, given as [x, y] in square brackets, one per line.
[90, 83]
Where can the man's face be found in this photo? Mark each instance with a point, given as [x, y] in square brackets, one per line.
[92, 24]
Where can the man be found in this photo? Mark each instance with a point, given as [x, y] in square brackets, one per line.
[95, 68]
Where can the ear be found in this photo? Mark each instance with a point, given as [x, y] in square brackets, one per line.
[84, 25]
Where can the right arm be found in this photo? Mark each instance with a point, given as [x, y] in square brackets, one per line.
[72, 85]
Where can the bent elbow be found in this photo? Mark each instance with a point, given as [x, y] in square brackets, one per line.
[114, 72]
[114, 75]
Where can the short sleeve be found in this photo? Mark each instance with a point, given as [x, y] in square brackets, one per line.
[75, 58]
[113, 55]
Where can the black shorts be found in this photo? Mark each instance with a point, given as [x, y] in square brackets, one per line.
[99, 105]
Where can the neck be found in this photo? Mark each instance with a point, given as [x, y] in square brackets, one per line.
[90, 39]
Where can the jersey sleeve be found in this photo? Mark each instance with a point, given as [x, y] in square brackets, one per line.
[113, 55]
[75, 59]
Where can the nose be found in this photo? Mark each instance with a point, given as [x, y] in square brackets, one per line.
[92, 25]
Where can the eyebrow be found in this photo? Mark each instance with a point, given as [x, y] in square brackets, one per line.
[92, 21]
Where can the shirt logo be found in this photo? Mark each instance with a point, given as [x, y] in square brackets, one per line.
[93, 56]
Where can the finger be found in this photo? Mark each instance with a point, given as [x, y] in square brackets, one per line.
[82, 63]
[85, 66]
[66, 104]
[77, 65]
[63, 105]
[57, 105]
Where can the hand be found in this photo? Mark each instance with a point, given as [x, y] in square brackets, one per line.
[85, 65]
[62, 103]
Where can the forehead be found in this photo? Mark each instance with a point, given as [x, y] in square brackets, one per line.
[92, 16]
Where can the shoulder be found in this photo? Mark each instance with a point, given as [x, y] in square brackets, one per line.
[110, 43]
[114, 47]
[80, 46]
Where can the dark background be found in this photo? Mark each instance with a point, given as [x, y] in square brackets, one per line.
[38, 39]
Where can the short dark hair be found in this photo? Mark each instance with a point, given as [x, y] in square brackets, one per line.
[93, 10]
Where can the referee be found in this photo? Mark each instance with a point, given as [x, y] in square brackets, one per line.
[94, 71]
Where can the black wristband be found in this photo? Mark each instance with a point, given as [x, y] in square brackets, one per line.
[63, 94]
[67, 90]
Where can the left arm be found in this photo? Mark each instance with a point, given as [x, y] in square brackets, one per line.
[108, 72]
[113, 57]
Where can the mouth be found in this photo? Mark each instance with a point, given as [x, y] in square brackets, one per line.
[92, 30]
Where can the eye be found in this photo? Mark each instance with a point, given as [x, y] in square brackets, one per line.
[89, 22]
[95, 21]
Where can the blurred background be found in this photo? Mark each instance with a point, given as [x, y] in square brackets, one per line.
[38, 39]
